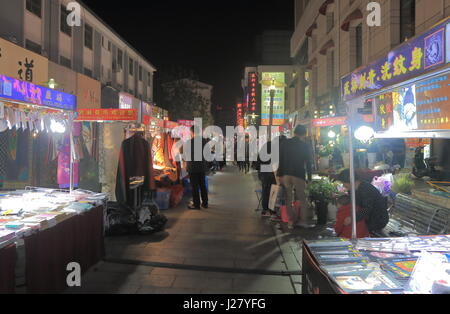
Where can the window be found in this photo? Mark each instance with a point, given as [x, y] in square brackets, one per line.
[32, 46]
[330, 21]
[88, 31]
[35, 7]
[149, 79]
[109, 46]
[131, 67]
[64, 27]
[88, 72]
[330, 65]
[140, 73]
[358, 43]
[407, 19]
[120, 59]
[65, 62]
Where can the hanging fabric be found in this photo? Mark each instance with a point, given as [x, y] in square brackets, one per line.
[135, 160]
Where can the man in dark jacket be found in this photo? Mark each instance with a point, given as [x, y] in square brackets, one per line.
[196, 167]
[294, 171]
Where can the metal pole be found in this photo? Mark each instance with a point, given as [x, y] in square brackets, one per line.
[71, 156]
[272, 96]
[352, 181]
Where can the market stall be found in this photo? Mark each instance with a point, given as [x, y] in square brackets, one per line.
[53, 227]
[413, 265]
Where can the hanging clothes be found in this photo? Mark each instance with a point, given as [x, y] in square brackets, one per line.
[135, 161]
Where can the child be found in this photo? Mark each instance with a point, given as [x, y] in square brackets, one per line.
[345, 210]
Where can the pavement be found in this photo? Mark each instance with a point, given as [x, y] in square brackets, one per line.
[225, 249]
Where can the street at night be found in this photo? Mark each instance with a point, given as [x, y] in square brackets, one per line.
[217, 156]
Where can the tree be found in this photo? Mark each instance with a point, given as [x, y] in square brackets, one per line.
[184, 101]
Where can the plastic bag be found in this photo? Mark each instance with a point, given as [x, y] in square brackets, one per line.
[120, 220]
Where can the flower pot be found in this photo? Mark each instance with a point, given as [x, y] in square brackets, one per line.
[322, 213]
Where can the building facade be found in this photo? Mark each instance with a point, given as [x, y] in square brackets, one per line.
[92, 49]
[332, 38]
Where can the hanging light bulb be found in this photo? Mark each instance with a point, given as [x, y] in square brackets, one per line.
[57, 127]
[364, 134]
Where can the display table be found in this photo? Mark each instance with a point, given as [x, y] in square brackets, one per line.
[314, 280]
[78, 239]
[7, 265]
[411, 265]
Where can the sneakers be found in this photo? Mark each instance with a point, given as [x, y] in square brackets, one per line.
[193, 207]
[205, 206]
[290, 226]
[266, 214]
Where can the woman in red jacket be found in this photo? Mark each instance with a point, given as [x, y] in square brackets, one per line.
[345, 211]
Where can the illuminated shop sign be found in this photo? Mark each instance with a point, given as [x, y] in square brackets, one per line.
[21, 91]
[420, 55]
[252, 98]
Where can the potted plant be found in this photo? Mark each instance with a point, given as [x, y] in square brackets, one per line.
[322, 193]
[403, 184]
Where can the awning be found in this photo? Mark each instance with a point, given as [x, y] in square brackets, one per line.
[355, 15]
[328, 45]
[311, 29]
[311, 64]
[324, 7]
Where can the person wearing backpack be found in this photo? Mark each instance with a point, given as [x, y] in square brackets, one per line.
[373, 206]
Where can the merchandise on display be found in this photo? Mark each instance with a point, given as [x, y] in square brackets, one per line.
[392, 265]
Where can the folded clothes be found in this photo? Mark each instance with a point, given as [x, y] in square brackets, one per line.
[79, 207]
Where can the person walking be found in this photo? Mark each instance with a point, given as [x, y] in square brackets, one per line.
[268, 178]
[197, 170]
[294, 171]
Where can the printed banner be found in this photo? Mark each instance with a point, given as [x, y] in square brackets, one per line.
[329, 122]
[278, 116]
[420, 55]
[14, 89]
[107, 115]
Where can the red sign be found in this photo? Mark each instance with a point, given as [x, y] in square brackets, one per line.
[318, 123]
[187, 123]
[240, 115]
[252, 83]
[170, 124]
[107, 115]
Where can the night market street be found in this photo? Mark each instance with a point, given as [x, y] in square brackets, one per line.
[229, 235]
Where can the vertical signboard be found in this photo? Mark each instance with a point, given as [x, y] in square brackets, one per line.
[252, 98]
[278, 116]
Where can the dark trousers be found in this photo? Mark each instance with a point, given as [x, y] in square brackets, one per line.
[198, 184]
[267, 179]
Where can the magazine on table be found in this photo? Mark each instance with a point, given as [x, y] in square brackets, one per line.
[366, 280]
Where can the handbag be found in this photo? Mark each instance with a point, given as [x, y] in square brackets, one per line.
[274, 191]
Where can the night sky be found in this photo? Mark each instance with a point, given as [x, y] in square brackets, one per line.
[214, 38]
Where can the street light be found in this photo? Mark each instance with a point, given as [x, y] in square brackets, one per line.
[273, 85]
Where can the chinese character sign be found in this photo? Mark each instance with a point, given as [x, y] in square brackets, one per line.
[278, 116]
[424, 105]
[22, 64]
[107, 115]
[411, 59]
[21, 91]
[252, 96]
[240, 115]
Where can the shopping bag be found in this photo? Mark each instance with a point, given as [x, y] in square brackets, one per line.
[274, 191]
[284, 214]
[297, 207]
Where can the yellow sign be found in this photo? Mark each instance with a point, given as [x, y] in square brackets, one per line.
[22, 64]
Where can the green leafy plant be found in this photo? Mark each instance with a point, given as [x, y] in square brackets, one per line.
[403, 184]
[322, 191]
